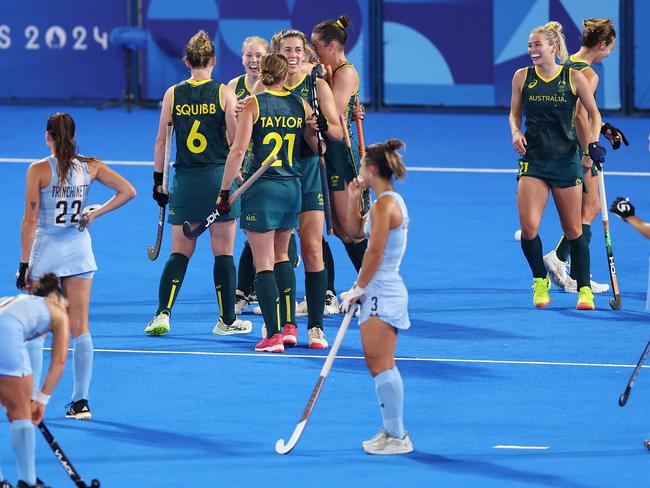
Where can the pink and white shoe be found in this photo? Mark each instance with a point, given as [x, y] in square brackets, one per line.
[290, 335]
[270, 344]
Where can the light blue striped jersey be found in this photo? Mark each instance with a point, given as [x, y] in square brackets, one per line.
[31, 311]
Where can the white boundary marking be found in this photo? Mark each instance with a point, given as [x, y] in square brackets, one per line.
[419, 169]
[533, 448]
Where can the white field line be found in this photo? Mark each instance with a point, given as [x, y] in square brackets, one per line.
[419, 169]
[533, 448]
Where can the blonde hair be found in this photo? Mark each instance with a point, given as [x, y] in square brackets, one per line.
[259, 40]
[597, 31]
[553, 32]
[199, 50]
[273, 68]
[278, 37]
[386, 159]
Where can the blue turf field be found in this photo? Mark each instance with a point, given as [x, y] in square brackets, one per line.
[481, 366]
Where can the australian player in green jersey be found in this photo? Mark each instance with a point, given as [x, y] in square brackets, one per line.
[202, 111]
[598, 39]
[276, 122]
[328, 39]
[550, 154]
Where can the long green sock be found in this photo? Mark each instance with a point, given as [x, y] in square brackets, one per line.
[356, 252]
[293, 251]
[329, 266]
[269, 298]
[580, 260]
[533, 252]
[315, 288]
[171, 281]
[224, 284]
[563, 248]
[246, 270]
[586, 231]
[285, 277]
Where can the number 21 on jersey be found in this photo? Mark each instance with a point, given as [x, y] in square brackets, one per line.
[277, 139]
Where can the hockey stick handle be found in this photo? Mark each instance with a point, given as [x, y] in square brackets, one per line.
[362, 145]
[251, 179]
[622, 400]
[615, 302]
[168, 155]
[337, 342]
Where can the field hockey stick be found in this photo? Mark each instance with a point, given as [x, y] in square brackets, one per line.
[212, 218]
[284, 448]
[83, 219]
[63, 459]
[153, 251]
[365, 194]
[615, 302]
[622, 400]
[362, 145]
[317, 72]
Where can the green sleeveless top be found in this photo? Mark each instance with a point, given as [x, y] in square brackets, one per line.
[241, 90]
[549, 105]
[347, 112]
[303, 89]
[200, 124]
[279, 125]
[576, 63]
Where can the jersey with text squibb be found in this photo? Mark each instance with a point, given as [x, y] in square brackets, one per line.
[200, 124]
[277, 132]
[549, 106]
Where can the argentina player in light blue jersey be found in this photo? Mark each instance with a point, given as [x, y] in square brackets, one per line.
[379, 287]
[23, 319]
[51, 241]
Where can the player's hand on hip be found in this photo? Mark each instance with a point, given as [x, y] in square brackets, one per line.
[622, 208]
[519, 142]
[350, 297]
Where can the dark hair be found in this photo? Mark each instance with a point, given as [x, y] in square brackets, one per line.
[61, 128]
[334, 30]
[597, 31]
[273, 67]
[199, 50]
[386, 159]
[48, 283]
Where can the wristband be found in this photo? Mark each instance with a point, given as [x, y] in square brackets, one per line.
[42, 398]
[586, 155]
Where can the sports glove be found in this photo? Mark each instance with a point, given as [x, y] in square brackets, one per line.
[351, 297]
[321, 122]
[614, 135]
[623, 208]
[161, 198]
[21, 276]
[223, 202]
[597, 154]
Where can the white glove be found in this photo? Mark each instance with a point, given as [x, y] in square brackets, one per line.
[350, 297]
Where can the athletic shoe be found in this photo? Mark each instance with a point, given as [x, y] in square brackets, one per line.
[541, 286]
[585, 299]
[646, 443]
[383, 443]
[572, 286]
[252, 298]
[159, 325]
[317, 338]
[257, 310]
[270, 344]
[301, 308]
[5, 484]
[241, 302]
[78, 410]
[556, 269]
[237, 327]
[290, 335]
[22, 484]
[331, 304]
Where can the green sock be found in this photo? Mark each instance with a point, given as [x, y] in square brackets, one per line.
[269, 298]
[356, 252]
[580, 260]
[533, 252]
[293, 250]
[285, 277]
[586, 231]
[224, 284]
[315, 288]
[246, 270]
[171, 281]
[563, 248]
[329, 266]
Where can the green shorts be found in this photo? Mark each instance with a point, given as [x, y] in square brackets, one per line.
[312, 191]
[271, 203]
[339, 166]
[556, 174]
[194, 194]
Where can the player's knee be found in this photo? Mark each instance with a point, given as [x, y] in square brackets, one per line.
[528, 232]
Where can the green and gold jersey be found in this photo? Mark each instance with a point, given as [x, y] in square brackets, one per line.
[199, 123]
[347, 112]
[242, 90]
[576, 63]
[303, 89]
[549, 105]
[277, 132]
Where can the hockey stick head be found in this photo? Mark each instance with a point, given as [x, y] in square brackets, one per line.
[192, 233]
[622, 400]
[94, 483]
[317, 71]
[616, 302]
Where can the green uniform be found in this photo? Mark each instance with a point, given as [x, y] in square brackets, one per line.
[312, 192]
[242, 91]
[553, 152]
[201, 151]
[273, 201]
[337, 157]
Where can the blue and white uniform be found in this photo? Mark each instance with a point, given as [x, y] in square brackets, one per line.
[386, 296]
[22, 318]
[59, 247]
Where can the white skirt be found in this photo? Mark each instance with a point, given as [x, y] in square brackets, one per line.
[388, 301]
[64, 253]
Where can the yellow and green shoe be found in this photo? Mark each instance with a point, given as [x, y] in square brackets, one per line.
[541, 286]
[585, 299]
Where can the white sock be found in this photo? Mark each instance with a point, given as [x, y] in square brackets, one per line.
[390, 393]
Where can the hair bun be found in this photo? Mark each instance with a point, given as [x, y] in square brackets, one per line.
[554, 25]
[395, 144]
[344, 22]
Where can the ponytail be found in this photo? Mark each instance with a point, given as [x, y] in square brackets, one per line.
[553, 32]
[48, 283]
[334, 30]
[386, 158]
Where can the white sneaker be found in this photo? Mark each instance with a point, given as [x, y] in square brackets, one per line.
[241, 302]
[252, 298]
[301, 308]
[237, 327]
[556, 269]
[331, 304]
[317, 338]
[599, 287]
[159, 325]
[571, 286]
[383, 443]
[257, 310]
